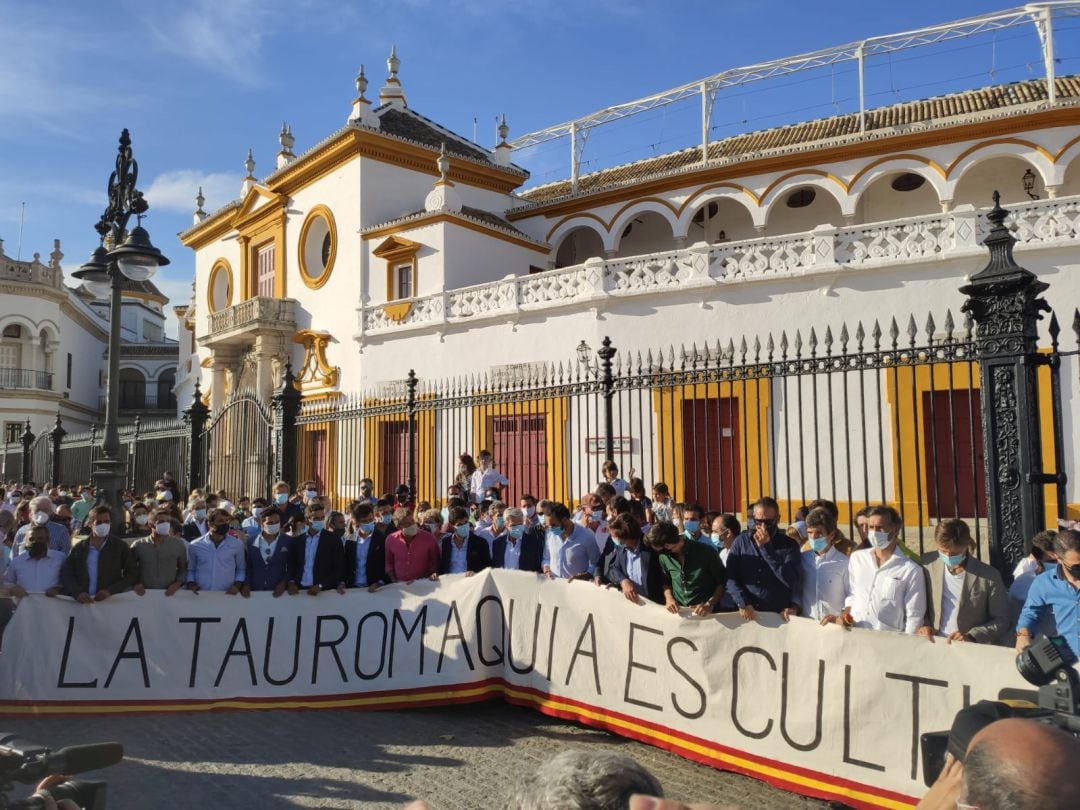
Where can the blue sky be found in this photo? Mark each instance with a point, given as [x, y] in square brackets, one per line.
[200, 81]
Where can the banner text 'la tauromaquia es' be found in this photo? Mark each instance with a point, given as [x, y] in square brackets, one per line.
[815, 710]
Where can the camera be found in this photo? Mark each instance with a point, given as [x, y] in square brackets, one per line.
[29, 763]
[1047, 663]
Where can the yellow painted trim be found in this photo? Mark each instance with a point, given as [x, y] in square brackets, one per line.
[933, 164]
[316, 281]
[145, 296]
[753, 472]
[996, 141]
[398, 251]
[316, 373]
[440, 217]
[812, 172]
[704, 189]
[399, 311]
[220, 266]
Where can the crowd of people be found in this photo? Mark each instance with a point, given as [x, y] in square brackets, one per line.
[62, 540]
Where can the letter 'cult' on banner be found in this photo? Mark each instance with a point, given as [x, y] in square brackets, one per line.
[814, 710]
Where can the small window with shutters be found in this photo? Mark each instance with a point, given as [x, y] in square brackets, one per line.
[403, 284]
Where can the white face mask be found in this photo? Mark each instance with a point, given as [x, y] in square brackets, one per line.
[200, 514]
[530, 511]
[102, 529]
[166, 495]
[163, 528]
[41, 518]
[311, 493]
[257, 511]
[878, 539]
[142, 520]
[272, 528]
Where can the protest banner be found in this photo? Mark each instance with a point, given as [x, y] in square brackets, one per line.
[815, 710]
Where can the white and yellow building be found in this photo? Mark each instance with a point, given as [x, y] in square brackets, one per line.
[395, 243]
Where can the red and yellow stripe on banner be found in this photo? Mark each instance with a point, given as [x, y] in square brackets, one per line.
[779, 774]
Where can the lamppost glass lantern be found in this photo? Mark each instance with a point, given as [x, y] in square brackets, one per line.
[137, 257]
[1029, 184]
[95, 274]
[584, 353]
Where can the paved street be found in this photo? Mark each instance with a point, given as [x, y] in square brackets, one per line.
[461, 757]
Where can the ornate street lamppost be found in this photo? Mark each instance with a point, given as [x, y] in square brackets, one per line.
[122, 253]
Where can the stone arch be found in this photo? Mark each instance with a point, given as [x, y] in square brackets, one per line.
[782, 187]
[132, 386]
[1070, 178]
[725, 194]
[633, 210]
[1001, 172]
[826, 209]
[643, 231]
[576, 243]
[970, 159]
[876, 201]
[164, 383]
[723, 218]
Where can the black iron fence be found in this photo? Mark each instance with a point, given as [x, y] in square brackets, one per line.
[960, 415]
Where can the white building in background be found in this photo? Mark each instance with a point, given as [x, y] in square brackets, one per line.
[394, 243]
[53, 341]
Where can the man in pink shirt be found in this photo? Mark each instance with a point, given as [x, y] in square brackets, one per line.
[411, 552]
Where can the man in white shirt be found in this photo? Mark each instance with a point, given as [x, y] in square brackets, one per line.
[591, 517]
[36, 570]
[572, 552]
[825, 569]
[885, 590]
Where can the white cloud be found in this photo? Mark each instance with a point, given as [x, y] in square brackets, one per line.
[176, 190]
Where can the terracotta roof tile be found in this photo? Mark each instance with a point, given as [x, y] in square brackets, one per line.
[903, 114]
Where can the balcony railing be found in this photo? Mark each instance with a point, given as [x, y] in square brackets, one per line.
[824, 250]
[147, 402]
[26, 379]
[260, 312]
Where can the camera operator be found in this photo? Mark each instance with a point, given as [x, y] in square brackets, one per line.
[1057, 591]
[1011, 764]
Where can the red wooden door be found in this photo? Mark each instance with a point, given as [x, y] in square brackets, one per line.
[711, 457]
[953, 454]
[519, 444]
[395, 445]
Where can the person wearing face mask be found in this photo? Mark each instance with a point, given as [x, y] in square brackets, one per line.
[967, 600]
[41, 513]
[692, 525]
[885, 590]
[217, 561]
[365, 551]
[725, 528]
[309, 491]
[412, 553]
[592, 517]
[634, 566]
[269, 556]
[824, 582]
[36, 570]
[318, 558]
[1055, 593]
[290, 510]
[197, 524]
[162, 557]
[463, 551]
[7, 539]
[764, 569]
[101, 565]
[252, 525]
[528, 508]
[384, 516]
[9, 498]
[486, 477]
[139, 520]
[81, 508]
[520, 547]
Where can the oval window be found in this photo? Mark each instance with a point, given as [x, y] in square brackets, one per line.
[908, 181]
[219, 296]
[318, 247]
[800, 198]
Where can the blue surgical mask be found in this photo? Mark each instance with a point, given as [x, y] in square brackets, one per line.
[499, 522]
[819, 544]
[556, 531]
[878, 539]
[517, 531]
[691, 525]
[462, 530]
[952, 560]
[386, 519]
[281, 498]
[367, 528]
[318, 525]
[716, 540]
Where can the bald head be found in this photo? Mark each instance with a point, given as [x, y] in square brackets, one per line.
[1016, 763]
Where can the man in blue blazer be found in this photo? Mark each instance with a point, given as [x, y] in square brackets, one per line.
[269, 555]
[365, 550]
[633, 567]
[462, 551]
[318, 556]
[518, 547]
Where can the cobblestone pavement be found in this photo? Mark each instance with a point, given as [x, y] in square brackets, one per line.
[459, 757]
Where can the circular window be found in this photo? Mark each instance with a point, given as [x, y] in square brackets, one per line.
[318, 247]
[220, 292]
[800, 198]
[908, 181]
